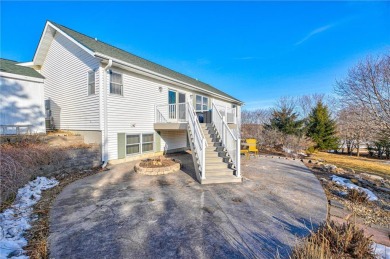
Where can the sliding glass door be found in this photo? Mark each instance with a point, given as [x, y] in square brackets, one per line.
[172, 105]
[182, 107]
[176, 107]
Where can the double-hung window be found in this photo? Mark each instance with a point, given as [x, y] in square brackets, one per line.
[133, 143]
[202, 103]
[116, 83]
[91, 82]
[147, 142]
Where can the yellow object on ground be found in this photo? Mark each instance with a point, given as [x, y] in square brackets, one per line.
[252, 144]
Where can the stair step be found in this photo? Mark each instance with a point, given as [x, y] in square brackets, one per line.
[216, 165]
[219, 173]
[214, 154]
[221, 179]
[213, 160]
[221, 166]
[212, 151]
[212, 139]
[216, 157]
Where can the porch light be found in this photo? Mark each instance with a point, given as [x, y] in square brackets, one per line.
[160, 88]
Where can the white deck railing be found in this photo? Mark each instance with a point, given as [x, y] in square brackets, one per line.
[228, 112]
[15, 129]
[171, 113]
[229, 140]
[198, 141]
[184, 112]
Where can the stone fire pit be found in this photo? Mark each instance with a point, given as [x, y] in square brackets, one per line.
[158, 166]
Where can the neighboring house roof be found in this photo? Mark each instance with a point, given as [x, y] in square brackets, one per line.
[12, 67]
[111, 51]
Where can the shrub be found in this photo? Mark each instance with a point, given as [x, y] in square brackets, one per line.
[333, 240]
[19, 163]
[357, 196]
[311, 150]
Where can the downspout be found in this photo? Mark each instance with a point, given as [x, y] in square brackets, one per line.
[105, 114]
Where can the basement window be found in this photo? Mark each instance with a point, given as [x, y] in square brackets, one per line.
[147, 142]
[133, 143]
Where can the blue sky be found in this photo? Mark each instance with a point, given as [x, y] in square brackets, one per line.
[255, 51]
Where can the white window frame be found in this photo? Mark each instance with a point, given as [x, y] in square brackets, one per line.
[121, 84]
[89, 83]
[133, 144]
[202, 103]
[142, 142]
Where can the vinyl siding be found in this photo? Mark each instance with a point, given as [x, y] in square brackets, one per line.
[66, 69]
[134, 112]
[22, 103]
[222, 103]
[173, 140]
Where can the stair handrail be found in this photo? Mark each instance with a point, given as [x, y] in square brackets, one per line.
[229, 141]
[158, 116]
[193, 112]
[199, 141]
[224, 122]
[229, 112]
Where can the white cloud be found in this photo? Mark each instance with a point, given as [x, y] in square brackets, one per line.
[314, 32]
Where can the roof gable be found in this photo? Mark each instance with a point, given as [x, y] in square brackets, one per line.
[12, 67]
[97, 46]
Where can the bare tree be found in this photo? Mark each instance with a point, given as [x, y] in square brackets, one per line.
[368, 84]
[259, 116]
[355, 127]
[306, 103]
[253, 122]
[286, 102]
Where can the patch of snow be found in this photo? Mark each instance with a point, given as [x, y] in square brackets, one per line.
[382, 251]
[349, 185]
[15, 220]
[287, 150]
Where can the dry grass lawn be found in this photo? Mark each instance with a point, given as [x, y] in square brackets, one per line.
[359, 164]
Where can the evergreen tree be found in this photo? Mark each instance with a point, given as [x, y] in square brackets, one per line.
[321, 128]
[286, 121]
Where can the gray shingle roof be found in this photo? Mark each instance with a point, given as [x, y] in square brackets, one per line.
[12, 67]
[111, 51]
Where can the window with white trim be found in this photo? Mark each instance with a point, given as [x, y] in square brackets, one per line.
[133, 143]
[116, 83]
[147, 142]
[202, 103]
[91, 82]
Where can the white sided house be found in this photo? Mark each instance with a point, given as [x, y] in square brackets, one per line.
[21, 98]
[135, 108]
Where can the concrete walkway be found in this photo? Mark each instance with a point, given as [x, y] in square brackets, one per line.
[120, 214]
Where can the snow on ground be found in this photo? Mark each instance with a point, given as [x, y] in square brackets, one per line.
[348, 184]
[15, 220]
[383, 252]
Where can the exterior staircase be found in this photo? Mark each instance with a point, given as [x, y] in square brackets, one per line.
[218, 165]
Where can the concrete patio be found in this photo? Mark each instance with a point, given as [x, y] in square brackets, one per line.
[121, 214]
